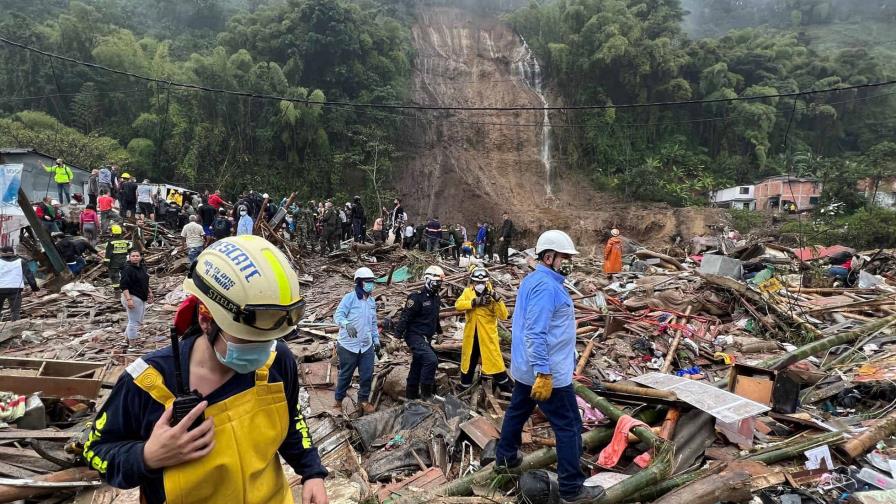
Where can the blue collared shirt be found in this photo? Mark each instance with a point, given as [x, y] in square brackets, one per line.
[544, 329]
[244, 226]
[361, 313]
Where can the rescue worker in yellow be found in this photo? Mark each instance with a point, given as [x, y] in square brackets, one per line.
[484, 308]
[244, 297]
[62, 175]
[116, 254]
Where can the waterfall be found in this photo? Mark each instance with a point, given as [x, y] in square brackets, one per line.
[530, 72]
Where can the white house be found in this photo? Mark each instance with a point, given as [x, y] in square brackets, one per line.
[741, 197]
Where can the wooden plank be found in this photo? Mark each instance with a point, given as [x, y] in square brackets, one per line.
[51, 386]
[12, 434]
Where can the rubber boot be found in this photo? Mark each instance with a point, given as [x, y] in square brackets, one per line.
[427, 390]
[505, 385]
[412, 392]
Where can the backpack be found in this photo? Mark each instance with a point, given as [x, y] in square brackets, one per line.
[220, 226]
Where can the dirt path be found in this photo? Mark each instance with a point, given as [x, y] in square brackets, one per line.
[465, 166]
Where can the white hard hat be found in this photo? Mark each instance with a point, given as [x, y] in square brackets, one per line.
[364, 274]
[614, 232]
[434, 273]
[555, 240]
[249, 287]
[55, 202]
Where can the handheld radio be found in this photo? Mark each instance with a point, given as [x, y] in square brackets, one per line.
[184, 401]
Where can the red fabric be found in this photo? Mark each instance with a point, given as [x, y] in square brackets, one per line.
[88, 215]
[611, 454]
[185, 316]
[104, 203]
[215, 201]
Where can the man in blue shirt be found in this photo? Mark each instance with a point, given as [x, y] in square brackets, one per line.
[359, 339]
[542, 363]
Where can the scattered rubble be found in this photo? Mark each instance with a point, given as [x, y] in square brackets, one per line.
[745, 371]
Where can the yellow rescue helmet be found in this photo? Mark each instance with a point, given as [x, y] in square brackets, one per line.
[115, 229]
[249, 287]
[125, 175]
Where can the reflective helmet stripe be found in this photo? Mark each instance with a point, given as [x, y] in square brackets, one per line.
[279, 276]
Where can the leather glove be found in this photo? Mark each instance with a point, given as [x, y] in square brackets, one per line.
[350, 329]
[544, 385]
[475, 302]
[496, 296]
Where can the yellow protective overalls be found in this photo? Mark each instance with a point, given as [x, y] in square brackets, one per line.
[243, 467]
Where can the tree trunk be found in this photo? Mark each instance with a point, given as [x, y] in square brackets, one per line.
[729, 485]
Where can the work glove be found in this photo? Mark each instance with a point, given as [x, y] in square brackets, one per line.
[544, 385]
[378, 350]
[350, 329]
[496, 297]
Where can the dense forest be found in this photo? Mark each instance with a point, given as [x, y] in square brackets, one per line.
[619, 52]
[312, 50]
[595, 52]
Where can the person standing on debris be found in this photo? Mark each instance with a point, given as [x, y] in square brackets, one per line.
[542, 363]
[116, 255]
[235, 363]
[331, 227]
[72, 223]
[433, 235]
[128, 197]
[135, 294]
[378, 230]
[216, 200]
[144, 199]
[408, 241]
[359, 339]
[93, 186]
[490, 239]
[47, 214]
[207, 216]
[613, 253]
[89, 224]
[194, 236]
[104, 205]
[504, 237]
[245, 224]
[63, 176]
[480, 239]
[483, 307]
[104, 180]
[418, 324]
[359, 221]
[221, 227]
[14, 272]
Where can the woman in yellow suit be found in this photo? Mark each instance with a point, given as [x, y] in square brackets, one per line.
[483, 307]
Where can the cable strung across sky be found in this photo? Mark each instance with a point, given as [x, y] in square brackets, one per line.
[304, 101]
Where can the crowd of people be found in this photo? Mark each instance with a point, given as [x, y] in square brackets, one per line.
[230, 326]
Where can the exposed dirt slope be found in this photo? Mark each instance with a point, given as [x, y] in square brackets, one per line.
[463, 166]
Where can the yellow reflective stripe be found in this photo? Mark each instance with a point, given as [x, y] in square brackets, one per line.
[280, 275]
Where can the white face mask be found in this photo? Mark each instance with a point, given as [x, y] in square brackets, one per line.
[479, 288]
[243, 212]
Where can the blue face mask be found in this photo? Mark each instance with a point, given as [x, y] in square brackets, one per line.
[246, 357]
[368, 287]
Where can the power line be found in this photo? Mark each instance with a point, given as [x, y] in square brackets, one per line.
[417, 117]
[440, 107]
[54, 95]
